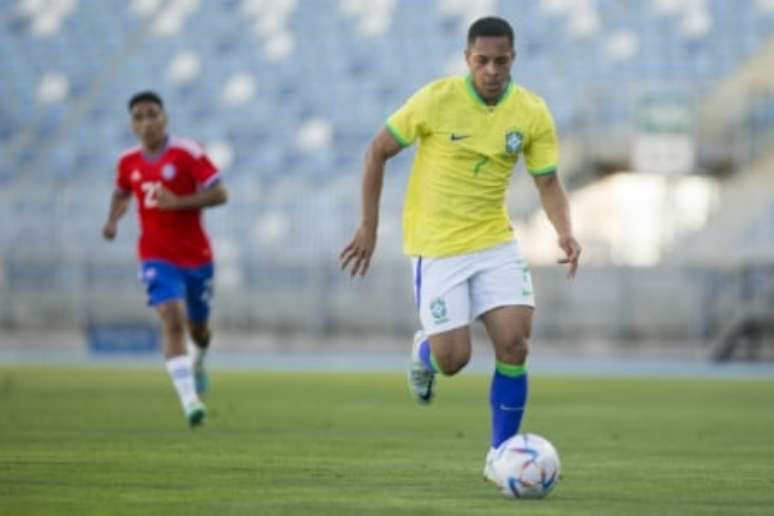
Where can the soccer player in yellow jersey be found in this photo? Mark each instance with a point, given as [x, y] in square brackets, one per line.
[466, 261]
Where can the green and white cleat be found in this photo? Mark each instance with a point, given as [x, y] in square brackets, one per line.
[489, 473]
[196, 414]
[420, 379]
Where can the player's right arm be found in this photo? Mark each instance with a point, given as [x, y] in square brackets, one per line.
[119, 203]
[360, 249]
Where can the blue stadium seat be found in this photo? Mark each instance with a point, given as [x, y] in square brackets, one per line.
[353, 81]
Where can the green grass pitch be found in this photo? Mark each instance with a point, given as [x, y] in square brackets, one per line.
[114, 441]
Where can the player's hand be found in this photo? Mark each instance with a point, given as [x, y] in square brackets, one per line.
[167, 200]
[109, 230]
[358, 252]
[572, 252]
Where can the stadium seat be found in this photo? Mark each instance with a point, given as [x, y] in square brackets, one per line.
[336, 71]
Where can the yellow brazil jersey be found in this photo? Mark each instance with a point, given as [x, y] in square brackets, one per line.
[455, 200]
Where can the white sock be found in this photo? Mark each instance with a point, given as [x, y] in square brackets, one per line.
[197, 353]
[181, 373]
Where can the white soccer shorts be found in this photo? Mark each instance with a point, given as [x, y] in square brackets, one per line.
[453, 291]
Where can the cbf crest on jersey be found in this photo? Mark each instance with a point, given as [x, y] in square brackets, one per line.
[168, 172]
[513, 142]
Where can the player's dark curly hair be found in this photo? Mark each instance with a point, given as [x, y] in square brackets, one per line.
[145, 96]
[490, 26]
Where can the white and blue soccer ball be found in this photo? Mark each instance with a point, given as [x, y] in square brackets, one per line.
[526, 466]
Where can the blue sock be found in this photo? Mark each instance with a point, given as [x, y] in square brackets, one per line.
[426, 356]
[507, 398]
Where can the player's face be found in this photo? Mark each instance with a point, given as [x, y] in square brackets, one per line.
[489, 59]
[149, 123]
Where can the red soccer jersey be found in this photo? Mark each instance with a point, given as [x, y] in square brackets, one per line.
[182, 167]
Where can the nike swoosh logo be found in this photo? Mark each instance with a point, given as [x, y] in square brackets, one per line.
[457, 137]
[510, 409]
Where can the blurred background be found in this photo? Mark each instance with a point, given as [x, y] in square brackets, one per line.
[665, 110]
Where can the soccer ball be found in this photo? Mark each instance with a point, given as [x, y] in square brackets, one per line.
[526, 466]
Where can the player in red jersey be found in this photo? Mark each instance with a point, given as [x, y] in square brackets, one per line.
[172, 180]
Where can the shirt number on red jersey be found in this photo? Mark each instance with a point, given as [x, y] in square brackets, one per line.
[151, 191]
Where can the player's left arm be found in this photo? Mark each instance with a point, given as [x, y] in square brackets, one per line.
[212, 196]
[554, 200]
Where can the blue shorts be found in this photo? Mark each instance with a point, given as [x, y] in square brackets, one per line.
[165, 281]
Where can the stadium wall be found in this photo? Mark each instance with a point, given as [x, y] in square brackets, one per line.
[617, 303]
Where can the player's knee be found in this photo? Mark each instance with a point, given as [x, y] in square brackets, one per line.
[451, 362]
[515, 351]
[200, 334]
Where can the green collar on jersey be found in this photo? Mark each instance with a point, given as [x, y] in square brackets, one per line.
[473, 93]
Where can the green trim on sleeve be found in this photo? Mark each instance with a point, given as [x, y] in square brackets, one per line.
[396, 134]
[510, 370]
[551, 169]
